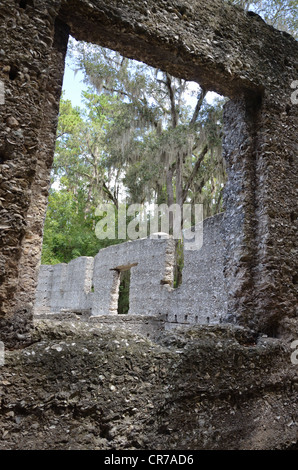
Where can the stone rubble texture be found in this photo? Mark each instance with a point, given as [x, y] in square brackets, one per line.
[208, 387]
[226, 50]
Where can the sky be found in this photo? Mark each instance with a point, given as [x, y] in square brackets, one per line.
[73, 85]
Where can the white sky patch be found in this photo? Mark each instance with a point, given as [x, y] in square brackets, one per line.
[56, 185]
[211, 96]
[193, 91]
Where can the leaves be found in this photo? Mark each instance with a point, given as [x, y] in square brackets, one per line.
[155, 135]
[69, 231]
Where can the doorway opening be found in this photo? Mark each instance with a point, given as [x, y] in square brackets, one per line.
[179, 263]
[120, 293]
[123, 298]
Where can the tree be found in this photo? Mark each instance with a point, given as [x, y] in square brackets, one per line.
[80, 156]
[156, 137]
[80, 181]
[68, 232]
[139, 135]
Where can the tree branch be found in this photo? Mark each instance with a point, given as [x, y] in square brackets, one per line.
[198, 107]
[193, 173]
[109, 194]
[172, 101]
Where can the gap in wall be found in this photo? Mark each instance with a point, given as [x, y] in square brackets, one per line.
[139, 165]
[124, 287]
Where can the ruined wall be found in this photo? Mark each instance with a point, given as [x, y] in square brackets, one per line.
[214, 43]
[202, 296]
[91, 388]
[260, 225]
[148, 259]
[32, 51]
[85, 283]
[64, 286]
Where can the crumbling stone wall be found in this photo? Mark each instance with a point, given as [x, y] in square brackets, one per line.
[146, 259]
[64, 286]
[93, 284]
[32, 52]
[214, 43]
[207, 388]
[202, 297]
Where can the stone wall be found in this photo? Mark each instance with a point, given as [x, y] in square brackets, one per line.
[33, 47]
[216, 44]
[65, 286]
[202, 296]
[87, 284]
[82, 387]
[147, 260]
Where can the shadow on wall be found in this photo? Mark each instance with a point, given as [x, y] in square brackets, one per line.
[137, 277]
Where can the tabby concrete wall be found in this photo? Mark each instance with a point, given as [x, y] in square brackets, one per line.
[151, 264]
[85, 283]
[93, 283]
[65, 286]
[213, 43]
[202, 296]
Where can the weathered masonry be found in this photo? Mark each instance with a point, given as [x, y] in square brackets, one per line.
[214, 43]
[92, 284]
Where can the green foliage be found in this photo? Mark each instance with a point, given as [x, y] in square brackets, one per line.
[155, 136]
[69, 231]
[81, 158]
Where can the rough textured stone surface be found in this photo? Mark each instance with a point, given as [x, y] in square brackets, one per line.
[64, 286]
[31, 67]
[260, 228]
[214, 43]
[202, 296]
[87, 284]
[88, 388]
[84, 388]
[147, 259]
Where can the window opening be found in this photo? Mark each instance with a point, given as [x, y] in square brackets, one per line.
[123, 299]
[121, 289]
